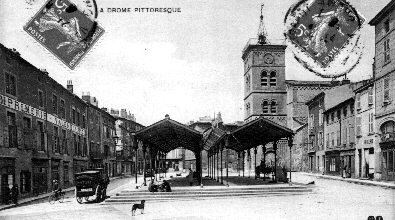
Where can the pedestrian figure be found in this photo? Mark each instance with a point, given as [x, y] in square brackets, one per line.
[152, 187]
[190, 177]
[15, 192]
[344, 171]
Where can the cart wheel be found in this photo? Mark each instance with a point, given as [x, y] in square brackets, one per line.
[51, 198]
[104, 195]
[61, 197]
[79, 200]
[98, 194]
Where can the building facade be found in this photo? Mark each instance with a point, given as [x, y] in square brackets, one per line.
[126, 151]
[384, 23]
[339, 131]
[43, 128]
[315, 144]
[366, 156]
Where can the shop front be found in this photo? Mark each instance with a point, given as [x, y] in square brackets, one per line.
[347, 163]
[387, 145]
[332, 161]
[7, 169]
[40, 176]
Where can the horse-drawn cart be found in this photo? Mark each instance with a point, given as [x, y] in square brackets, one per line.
[91, 183]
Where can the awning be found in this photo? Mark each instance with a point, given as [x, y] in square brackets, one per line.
[167, 135]
[257, 132]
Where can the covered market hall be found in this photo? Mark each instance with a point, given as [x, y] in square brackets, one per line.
[166, 135]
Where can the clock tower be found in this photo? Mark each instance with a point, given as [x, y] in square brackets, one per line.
[264, 79]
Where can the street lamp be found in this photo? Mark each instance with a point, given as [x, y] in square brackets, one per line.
[115, 139]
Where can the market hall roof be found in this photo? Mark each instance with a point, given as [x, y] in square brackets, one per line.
[167, 135]
[257, 132]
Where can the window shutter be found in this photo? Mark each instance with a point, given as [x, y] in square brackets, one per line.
[358, 126]
[386, 90]
[370, 96]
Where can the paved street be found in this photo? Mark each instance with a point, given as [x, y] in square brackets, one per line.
[331, 199]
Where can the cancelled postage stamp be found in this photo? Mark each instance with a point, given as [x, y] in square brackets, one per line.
[321, 28]
[65, 30]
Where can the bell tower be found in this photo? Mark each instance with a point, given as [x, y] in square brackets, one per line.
[264, 78]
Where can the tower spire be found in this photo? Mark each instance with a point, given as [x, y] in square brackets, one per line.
[262, 36]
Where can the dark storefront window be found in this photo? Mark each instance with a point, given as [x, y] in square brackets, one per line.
[12, 130]
[25, 181]
[66, 173]
[390, 161]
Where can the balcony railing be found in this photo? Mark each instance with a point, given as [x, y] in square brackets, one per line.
[387, 137]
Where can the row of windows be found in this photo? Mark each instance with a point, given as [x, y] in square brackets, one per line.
[335, 138]
[58, 137]
[336, 115]
[58, 105]
[266, 79]
[267, 107]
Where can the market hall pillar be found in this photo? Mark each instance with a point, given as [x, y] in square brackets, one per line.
[144, 163]
[275, 160]
[221, 148]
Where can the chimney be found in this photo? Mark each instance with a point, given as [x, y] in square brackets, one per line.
[85, 96]
[104, 109]
[167, 116]
[124, 113]
[15, 52]
[70, 86]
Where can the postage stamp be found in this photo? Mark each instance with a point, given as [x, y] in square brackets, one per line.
[65, 30]
[322, 28]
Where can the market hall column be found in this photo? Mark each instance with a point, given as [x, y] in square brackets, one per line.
[255, 151]
[221, 148]
[144, 162]
[135, 147]
[227, 160]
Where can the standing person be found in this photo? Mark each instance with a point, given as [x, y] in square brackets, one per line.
[15, 193]
[56, 188]
[190, 177]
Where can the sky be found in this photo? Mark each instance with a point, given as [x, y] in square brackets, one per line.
[185, 64]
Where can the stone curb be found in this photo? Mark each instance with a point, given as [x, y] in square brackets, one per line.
[34, 198]
[355, 181]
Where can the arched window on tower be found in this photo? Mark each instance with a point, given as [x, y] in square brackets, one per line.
[265, 107]
[264, 78]
[273, 106]
[273, 78]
